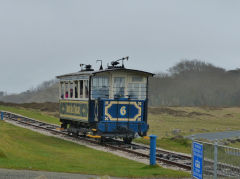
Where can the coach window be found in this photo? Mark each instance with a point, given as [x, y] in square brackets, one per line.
[137, 88]
[86, 88]
[61, 90]
[100, 87]
[118, 87]
[75, 89]
[66, 91]
[71, 89]
[137, 79]
[81, 88]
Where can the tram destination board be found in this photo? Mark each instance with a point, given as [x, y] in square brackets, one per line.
[197, 151]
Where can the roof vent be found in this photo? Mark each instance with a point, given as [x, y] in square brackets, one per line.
[101, 67]
[116, 63]
[85, 67]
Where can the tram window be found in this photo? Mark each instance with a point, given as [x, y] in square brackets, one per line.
[119, 86]
[66, 90]
[137, 79]
[62, 90]
[100, 87]
[76, 89]
[71, 90]
[86, 88]
[137, 90]
[143, 91]
[81, 88]
[133, 90]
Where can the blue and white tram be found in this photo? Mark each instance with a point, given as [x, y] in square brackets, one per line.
[109, 102]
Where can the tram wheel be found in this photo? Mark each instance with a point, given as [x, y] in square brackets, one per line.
[127, 140]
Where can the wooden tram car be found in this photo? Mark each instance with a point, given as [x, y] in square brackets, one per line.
[109, 102]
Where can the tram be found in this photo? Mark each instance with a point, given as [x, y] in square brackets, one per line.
[105, 103]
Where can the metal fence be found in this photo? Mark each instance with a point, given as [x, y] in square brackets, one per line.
[220, 161]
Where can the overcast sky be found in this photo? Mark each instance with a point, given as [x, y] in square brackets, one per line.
[42, 39]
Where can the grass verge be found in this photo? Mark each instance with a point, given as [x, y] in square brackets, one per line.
[175, 144]
[169, 122]
[32, 113]
[24, 149]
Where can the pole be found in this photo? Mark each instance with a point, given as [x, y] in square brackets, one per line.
[215, 159]
[153, 149]
[192, 138]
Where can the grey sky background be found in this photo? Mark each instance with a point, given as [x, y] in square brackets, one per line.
[42, 39]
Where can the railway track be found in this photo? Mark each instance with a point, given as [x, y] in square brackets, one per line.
[165, 157]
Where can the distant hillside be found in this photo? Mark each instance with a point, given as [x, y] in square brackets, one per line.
[45, 92]
[196, 83]
[188, 83]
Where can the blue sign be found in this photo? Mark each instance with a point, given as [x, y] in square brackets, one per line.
[197, 160]
[123, 110]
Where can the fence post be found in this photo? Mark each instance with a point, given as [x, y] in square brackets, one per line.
[192, 138]
[1, 115]
[153, 149]
[215, 159]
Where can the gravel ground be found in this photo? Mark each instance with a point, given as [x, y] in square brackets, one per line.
[217, 135]
[27, 174]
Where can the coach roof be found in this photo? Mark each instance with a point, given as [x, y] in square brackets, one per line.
[92, 73]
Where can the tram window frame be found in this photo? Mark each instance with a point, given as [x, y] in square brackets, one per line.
[86, 89]
[66, 89]
[118, 90]
[71, 86]
[61, 90]
[80, 89]
[74, 89]
[137, 85]
[83, 89]
[100, 87]
[137, 79]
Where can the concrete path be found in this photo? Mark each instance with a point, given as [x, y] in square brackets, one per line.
[217, 135]
[28, 174]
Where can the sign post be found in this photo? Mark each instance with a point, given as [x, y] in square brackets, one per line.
[197, 155]
[215, 159]
[153, 149]
[1, 115]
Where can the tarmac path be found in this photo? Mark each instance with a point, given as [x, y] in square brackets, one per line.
[29, 174]
[217, 135]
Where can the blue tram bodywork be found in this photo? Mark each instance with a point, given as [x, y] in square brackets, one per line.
[121, 116]
[107, 103]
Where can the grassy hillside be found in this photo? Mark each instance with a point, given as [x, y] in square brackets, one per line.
[32, 113]
[47, 93]
[170, 124]
[23, 149]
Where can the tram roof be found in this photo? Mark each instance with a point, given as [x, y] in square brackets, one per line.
[92, 73]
